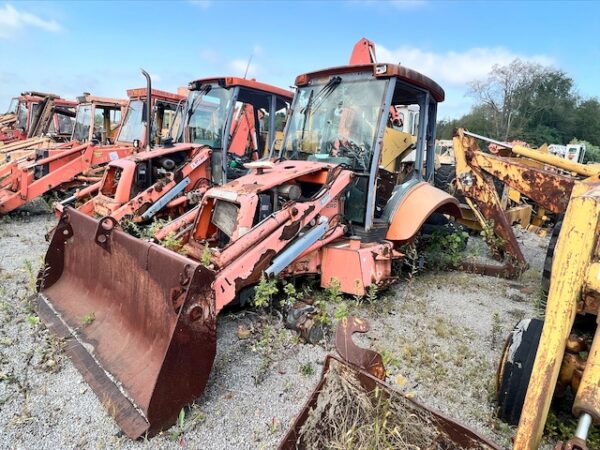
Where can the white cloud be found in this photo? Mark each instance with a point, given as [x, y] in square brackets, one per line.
[13, 20]
[238, 67]
[454, 67]
[204, 4]
[209, 55]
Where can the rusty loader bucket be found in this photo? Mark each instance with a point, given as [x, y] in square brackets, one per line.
[352, 407]
[138, 320]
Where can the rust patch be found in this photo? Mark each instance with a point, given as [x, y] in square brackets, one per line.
[254, 277]
[291, 230]
[363, 358]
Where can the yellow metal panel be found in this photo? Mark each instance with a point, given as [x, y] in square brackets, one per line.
[587, 398]
[592, 282]
[519, 214]
[513, 194]
[570, 267]
[396, 144]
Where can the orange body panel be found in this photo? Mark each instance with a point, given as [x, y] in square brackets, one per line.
[419, 204]
[356, 266]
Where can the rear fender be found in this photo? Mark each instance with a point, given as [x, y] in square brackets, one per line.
[419, 202]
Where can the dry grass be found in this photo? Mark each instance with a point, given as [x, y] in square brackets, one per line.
[348, 417]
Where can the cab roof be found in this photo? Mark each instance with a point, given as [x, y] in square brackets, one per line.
[379, 70]
[36, 96]
[243, 82]
[65, 103]
[156, 93]
[88, 98]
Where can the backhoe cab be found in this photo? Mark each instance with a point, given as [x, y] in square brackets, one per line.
[166, 181]
[337, 205]
[52, 124]
[238, 119]
[21, 113]
[164, 109]
[98, 119]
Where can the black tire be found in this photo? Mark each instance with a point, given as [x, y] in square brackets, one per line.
[437, 222]
[547, 271]
[444, 179]
[437, 219]
[515, 369]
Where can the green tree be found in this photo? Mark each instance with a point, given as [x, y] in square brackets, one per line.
[504, 93]
[530, 102]
[477, 121]
[587, 121]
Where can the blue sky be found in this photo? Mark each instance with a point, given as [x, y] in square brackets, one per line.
[71, 47]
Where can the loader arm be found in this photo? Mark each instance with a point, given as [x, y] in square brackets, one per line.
[27, 188]
[243, 132]
[475, 171]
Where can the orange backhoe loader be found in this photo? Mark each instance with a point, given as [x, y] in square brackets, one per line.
[54, 122]
[36, 115]
[80, 162]
[335, 204]
[165, 181]
[8, 118]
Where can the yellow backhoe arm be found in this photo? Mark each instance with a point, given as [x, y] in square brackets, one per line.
[527, 174]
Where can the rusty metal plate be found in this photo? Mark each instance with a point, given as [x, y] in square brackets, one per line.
[139, 320]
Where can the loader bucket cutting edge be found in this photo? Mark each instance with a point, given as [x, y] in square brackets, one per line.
[138, 320]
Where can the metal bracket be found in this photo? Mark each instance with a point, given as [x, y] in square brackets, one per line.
[363, 358]
[105, 227]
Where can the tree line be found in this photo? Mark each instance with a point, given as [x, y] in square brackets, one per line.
[533, 103]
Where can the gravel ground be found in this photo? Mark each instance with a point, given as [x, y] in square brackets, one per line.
[441, 335]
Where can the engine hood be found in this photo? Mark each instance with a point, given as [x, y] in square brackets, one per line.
[263, 179]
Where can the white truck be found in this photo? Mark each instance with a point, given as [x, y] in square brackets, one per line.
[572, 152]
